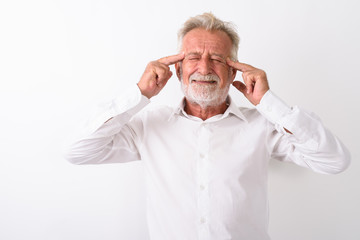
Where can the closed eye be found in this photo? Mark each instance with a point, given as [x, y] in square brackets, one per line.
[193, 58]
[220, 60]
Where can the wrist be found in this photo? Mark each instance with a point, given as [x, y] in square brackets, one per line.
[144, 92]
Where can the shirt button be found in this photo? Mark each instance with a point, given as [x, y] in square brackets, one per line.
[269, 108]
[202, 187]
[202, 155]
[202, 220]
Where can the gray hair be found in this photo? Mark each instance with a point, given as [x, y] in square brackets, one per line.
[209, 22]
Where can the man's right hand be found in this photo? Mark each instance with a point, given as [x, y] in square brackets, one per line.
[156, 75]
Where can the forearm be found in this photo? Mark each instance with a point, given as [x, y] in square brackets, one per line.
[110, 136]
[309, 143]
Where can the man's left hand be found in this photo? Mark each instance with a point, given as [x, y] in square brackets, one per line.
[255, 81]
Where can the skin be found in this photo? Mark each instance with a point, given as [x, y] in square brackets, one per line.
[205, 52]
[156, 75]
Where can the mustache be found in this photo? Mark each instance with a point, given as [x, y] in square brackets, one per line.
[208, 77]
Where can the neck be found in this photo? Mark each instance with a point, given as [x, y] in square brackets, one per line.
[196, 110]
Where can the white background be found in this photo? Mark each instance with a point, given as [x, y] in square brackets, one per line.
[60, 58]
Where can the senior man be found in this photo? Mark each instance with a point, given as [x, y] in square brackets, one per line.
[206, 161]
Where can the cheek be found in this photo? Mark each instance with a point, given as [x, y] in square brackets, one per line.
[187, 70]
[224, 73]
[188, 65]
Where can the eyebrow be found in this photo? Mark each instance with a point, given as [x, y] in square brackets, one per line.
[198, 53]
[193, 53]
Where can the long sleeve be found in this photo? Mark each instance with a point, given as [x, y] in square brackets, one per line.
[309, 144]
[112, 135]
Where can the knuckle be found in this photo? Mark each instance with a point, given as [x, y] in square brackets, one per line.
[151, 65]
[161, 71]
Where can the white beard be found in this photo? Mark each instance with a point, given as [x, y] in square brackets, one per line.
[205, 95]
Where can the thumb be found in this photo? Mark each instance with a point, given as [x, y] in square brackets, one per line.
[163, 83]
[170, 74]
[240, 86]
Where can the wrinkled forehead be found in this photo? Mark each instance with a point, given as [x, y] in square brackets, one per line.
[202, 41]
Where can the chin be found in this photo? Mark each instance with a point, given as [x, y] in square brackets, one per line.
[205, 97]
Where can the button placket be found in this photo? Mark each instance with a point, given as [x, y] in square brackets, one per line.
[203, 180]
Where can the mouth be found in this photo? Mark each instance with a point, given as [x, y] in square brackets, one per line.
[203, 82]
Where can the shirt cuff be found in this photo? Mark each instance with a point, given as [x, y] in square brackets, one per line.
[273, 108]
[130, 102]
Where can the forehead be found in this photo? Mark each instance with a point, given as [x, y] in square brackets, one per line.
[200, 41]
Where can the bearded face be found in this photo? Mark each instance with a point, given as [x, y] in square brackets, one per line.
[204, 90]
[205, 76]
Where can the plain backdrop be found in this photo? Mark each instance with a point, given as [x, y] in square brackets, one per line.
[58, 59]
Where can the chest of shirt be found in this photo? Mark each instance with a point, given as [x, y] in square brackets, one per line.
[227, 146]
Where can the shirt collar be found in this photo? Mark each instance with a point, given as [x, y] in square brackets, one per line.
[232, 109]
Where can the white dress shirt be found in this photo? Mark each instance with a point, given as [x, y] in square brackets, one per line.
[207, 180]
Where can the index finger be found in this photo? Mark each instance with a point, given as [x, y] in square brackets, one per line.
[172, 59]
[243, 67]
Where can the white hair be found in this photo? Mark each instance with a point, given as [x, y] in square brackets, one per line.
[208, 95]
[209, 22]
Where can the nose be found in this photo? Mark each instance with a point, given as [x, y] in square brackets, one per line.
[204, 66]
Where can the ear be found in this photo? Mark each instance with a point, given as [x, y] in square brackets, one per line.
[177, 68]
[233, 72]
